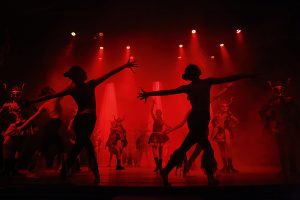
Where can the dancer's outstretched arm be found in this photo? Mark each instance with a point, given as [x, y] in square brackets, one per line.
[51, 96]
[39, 111]
[231, 78]
[130, 64]
[143, 95]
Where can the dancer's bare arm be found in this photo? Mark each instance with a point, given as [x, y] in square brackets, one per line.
[39, 111]
[143, 95]
[130, 64]
[51, 96]
[152, 110]
[231, 78]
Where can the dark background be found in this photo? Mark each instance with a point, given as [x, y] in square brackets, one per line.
[30, 28]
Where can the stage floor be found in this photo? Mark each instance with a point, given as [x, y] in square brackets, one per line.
[143, 183]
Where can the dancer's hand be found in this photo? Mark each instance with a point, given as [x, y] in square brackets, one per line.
[131, 64]
[143, 95]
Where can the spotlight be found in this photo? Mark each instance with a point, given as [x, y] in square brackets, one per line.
[73, 34]
[131, 58]
[238, 31]
[127, 47]
[221, 45]
[101, 34]
[180, 46]
[101, 48]
[179, 57]
[212, 57]
[194, 31]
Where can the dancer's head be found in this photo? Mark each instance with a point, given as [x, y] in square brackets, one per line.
[279, 87]
[118, 121]
[158, 113]
[191, 73]
[224, 107]
[76, 74]
[225, 104]
[16, 92]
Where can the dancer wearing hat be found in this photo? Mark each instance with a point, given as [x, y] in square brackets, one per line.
[117, 141]
[223, 123]
[157, 138]
[198, 92]
[12, 116]
[281, 118]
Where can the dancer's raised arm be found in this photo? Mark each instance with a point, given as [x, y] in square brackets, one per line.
[231, 78]
[152, 110]
[130, 64]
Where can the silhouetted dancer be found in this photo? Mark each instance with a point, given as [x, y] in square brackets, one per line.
[198, 92]
[198, 149]
[83, 92]
[157, 138]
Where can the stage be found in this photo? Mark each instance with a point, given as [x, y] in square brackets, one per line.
[142, 183]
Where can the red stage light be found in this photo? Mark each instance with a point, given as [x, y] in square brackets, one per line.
[238, 31]
[131, 58]
[101, 48]
[100, 34]
[179, 57]
[212, 57]
[180, 46]
[128, 47]
[221, 45]
[73, 34]
[194, 31]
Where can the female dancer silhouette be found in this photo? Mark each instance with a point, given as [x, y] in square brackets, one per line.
[198, 92]
[83, 92]
[198, 149]
[157, 139]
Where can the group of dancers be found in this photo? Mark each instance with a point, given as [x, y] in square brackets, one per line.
[282, 112]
